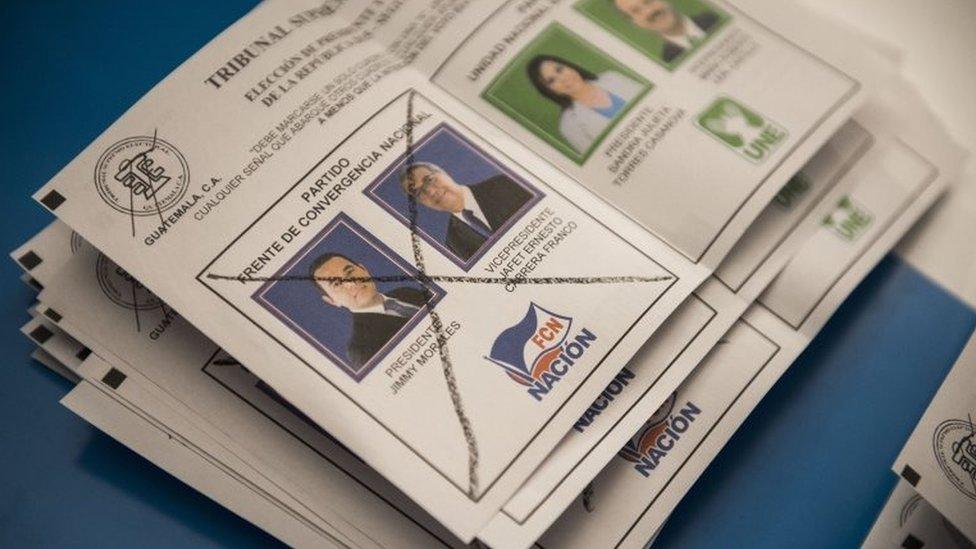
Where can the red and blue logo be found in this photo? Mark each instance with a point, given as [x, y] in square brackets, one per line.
[659, 435]
[537, 352]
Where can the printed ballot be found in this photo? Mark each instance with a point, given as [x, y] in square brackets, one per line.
[939, 459]
[896, 183]
[907, 520]
[438, 273]
[226, 403]
[148, 439]
[77, 296]
[338, 193]
[651, 377]
[674, 351]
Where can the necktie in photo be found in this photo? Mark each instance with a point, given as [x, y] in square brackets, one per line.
[400, 309]
[476, 224]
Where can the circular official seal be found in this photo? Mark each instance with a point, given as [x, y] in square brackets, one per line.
[120, 287]
[954, 443]
[142, 176]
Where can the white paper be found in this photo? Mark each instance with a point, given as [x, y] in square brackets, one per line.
[906, 519]
[884, 533]
[895, 185]
[45, 358]
[89, 401]
[45, 253]
[925, 525]
[854, 156]
[228, 403]
[939, 459]
[63, 348]
[188, 185]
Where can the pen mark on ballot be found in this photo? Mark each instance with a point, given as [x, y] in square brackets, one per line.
[435, 319]
[425, 280]
[451, 279]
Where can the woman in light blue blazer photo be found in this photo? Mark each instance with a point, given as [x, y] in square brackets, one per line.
[589, 101]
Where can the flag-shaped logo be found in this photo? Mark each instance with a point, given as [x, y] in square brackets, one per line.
[527, 350]
[539, 351]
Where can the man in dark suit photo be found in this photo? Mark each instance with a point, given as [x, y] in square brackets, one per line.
[678, 32]
[376, 316]
[477, 210]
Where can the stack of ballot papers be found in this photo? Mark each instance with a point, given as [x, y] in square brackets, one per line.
[443, 272]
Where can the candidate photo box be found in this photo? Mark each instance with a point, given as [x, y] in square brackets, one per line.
[295, 298]
[502, 196]
[565, 123]
[636, 22]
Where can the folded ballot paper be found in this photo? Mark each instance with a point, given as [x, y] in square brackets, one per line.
[908, 520]
[385, 274]
[939, 459]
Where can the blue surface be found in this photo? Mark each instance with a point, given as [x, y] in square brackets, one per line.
[811, 466]
[809, 469]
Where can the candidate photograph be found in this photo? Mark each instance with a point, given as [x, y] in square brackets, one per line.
[349, 296]
[566, 91]
[667, 31]
[465, 200]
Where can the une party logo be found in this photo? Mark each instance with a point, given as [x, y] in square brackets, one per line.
[659, 435]
[849, 220]
[745, 131]
[538, 351]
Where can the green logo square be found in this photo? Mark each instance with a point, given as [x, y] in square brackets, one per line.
[850, 220]
[748, 133]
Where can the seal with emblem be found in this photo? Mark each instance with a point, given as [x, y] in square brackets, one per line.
[142, 176]
[954, 443]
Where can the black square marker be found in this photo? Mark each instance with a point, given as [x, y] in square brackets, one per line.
[113, 378]
[910, 475]
[911, 542]
[29, 260]
[53, 315]
[35, 284]
[83, 354]
[52, 200]
[41, 334]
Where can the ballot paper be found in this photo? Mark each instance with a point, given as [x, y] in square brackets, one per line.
[30, 281]
[58, 242]
[886, 529]
[70, 354]
[56, 350]
[224, 400]
[374, 520]
[665, 361]
[297, 127]
[926, 527]
[673, 352]
[633, 496]
[907, 520]
[157, 444]
[74, 296]
[939, 459]
[157, 338]
[51, 363]
[795, 213]
[736, 69]
[50, 338]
